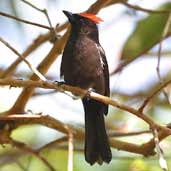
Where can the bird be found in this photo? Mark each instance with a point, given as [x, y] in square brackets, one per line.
[84, 65]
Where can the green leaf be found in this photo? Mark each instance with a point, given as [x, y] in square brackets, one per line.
[147, 33]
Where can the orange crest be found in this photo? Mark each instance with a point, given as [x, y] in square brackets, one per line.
[91, 17]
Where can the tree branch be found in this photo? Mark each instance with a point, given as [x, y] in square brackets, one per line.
[34, 70]
[147, 100]
[32, 47]
[14, 121]
[82, 93]
[162, 161]
[27, 149]
[138, 8]
[24, 21]
[165, 32]
[44, 11]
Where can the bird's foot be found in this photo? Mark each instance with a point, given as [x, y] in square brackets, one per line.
[59, 82]
[89, 91]
[74, 97]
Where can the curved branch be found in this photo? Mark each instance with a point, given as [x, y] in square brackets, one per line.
[14, 121]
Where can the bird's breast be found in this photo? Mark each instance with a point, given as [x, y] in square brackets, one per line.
[83, 66]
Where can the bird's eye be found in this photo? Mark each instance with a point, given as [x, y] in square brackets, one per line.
[84, 31]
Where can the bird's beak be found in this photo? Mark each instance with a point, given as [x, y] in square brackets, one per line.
[69, 15]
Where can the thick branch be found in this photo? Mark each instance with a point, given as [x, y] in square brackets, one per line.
[18, 120]
[82, 93]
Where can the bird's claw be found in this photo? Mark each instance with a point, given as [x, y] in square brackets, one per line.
[59, 82]
[89, 91]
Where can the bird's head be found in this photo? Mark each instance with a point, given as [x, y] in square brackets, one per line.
[83, 22]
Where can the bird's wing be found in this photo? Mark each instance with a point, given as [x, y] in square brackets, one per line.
[62, 67]
[106, 75]
[65, 61]
[105, 70]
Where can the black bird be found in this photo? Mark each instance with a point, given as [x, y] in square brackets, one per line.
[84, 65]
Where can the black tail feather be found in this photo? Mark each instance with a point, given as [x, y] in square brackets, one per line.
[97, 147]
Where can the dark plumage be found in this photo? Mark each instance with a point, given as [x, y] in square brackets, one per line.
[84, 65]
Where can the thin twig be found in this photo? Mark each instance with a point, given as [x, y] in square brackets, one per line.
[44, 11]
[70, 151]
[21, 165]
[147, 100]
[55, 142]
[162, 161]
[165, 32]
[32, 47]
[138, 8]
[24, 21]
[124, 134]
[34, 70]
[24, 147]
[33, 6]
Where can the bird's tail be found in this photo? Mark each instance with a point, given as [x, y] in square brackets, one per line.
[97, 147]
